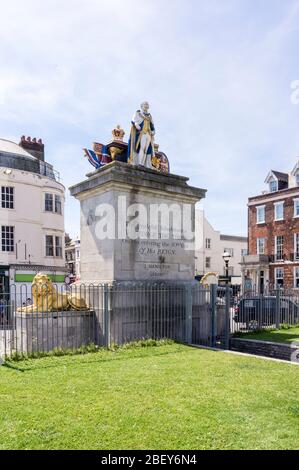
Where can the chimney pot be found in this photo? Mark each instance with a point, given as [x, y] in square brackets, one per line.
[33, 146]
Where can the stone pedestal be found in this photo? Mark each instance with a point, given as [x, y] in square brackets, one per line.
[43, 332]
[108, 194]
[136, 264]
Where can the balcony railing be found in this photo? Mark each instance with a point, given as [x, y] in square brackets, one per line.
[32, 165]
[283, 258]
[47, 170]
[276, 258]
[255, 259]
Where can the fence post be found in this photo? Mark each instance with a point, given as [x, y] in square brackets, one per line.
[188, 310]
[106, 316]
[227, 316]
[213, 308]
[277, 309]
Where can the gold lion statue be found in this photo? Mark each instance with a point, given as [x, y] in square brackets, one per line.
[47, 299]
[209, 278]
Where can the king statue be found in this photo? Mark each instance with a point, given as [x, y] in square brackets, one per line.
[141, 147]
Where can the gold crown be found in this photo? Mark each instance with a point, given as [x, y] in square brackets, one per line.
[118, 133]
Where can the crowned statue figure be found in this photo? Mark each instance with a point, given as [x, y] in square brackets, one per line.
[141, 149]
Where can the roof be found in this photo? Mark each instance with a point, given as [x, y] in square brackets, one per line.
[295, 169]
[233, 238]
[281, 176]
[7, 146]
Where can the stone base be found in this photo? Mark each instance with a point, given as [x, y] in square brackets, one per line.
[177, 310]
[43, 332]
[122, 191]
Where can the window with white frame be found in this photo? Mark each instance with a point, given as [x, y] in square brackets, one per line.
[208, 243]
[54, 246]
[296, 246]
[279, 277]
[261, 246]
[58, 247]
[279, 210]
[296, 277]
[49, 202]
[208, 263]
[260, 214]
[58, 204]
[7, 197]
[230, 251]
[273, 186]
[7, 234]
[279, 247]
[244, 252]
[49, 245]
[53, 203]
[296, 207]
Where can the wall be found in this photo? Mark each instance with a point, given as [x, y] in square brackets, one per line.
[237, 244]
[263, 348]
[30, 220]
[271, 228]
[205, 230]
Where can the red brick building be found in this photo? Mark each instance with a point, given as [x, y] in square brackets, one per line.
[273, 234]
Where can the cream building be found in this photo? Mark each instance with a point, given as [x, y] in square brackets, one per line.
[31, 216]
[210, 246]
[72, 258]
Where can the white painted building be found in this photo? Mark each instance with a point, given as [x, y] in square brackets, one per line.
[31, 216]
[72, 258]
[210, 246]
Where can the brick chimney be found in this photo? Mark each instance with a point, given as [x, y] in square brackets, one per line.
[33, 146]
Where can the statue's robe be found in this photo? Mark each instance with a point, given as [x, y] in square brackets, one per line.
[135, 136]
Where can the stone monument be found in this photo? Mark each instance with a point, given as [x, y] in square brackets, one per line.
[137, 233]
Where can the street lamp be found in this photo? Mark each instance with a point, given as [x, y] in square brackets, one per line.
[226, 257]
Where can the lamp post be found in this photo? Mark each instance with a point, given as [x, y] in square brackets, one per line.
[226, 257]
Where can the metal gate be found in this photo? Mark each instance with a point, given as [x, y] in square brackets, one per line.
[210, 317]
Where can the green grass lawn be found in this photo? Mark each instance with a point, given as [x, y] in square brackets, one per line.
[167, 397]
[288, 336]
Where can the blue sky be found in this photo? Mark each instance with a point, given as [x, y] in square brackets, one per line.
[217, 74]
